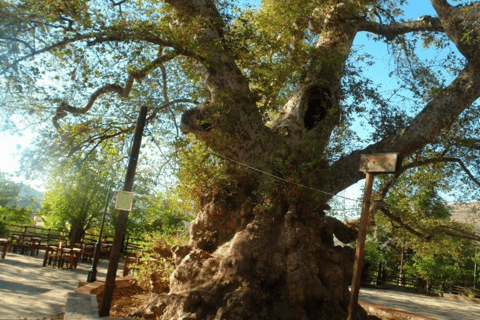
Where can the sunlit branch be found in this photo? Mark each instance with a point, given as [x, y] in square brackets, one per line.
[436, 116]
[456, 21]
[455, 232]
[124, 91]
[391, 31]
[382, 206]
[382, 191]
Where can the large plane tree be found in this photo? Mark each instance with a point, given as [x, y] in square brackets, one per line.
[273, 95]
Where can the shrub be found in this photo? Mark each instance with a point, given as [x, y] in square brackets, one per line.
[156, 263]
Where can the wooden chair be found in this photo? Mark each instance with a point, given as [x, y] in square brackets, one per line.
[105, 250]
[35, 245]
[65, 255]
[88, 251]
[52, 254]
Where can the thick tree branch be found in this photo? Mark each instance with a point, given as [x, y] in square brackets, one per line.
[206, 8]
[438, 115]
[383, 190]
[117, 3]
[457, 21]
[467, 143]
[456, 232]
[442, 229]
[390, 32]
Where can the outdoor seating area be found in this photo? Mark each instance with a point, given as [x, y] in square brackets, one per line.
[58, 252]
[25, 243]
[63, 255]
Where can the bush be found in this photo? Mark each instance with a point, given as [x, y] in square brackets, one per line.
[156, 263]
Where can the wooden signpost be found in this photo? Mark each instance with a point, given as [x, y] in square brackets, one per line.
[370, 164]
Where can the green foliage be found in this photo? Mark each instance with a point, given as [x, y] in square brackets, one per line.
[75, 194]
[414, 200]
[156, 262]
[10, 213]
[201, 172]
[159, 214]
[439, 270]
[16, 215]
[418, 220]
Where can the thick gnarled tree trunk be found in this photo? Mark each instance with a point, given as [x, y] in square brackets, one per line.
[278, 262]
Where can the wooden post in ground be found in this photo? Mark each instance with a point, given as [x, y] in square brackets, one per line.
[122, 218]
[370, 164]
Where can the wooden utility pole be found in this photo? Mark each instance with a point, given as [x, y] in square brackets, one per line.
[370, 164]
[122, 217]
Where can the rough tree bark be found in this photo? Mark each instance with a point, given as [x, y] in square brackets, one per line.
[257, 257]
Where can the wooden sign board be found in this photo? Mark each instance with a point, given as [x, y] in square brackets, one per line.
[380, 162]
[124, 200]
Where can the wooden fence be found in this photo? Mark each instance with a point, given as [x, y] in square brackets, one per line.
[53, 236]
[395, 280]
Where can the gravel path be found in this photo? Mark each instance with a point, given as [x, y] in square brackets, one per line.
[433, 307]
[30, 291]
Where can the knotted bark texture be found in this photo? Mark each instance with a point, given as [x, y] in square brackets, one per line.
[272, 263]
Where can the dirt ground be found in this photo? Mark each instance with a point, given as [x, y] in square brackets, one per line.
[126, 300]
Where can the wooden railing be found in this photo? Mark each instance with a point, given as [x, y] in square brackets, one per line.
[396, 281]
[53, 236]
[47, 235]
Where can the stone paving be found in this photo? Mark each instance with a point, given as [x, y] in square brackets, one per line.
[30, 291]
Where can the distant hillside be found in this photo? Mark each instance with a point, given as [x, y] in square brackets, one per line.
[28, 196]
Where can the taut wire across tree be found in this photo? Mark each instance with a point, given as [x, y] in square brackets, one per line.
[277, 88]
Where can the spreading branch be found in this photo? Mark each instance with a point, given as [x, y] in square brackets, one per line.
[452, 231]
[382, 206]
[124, 91]
[391, 31]
[457, 21]
[436, 116]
